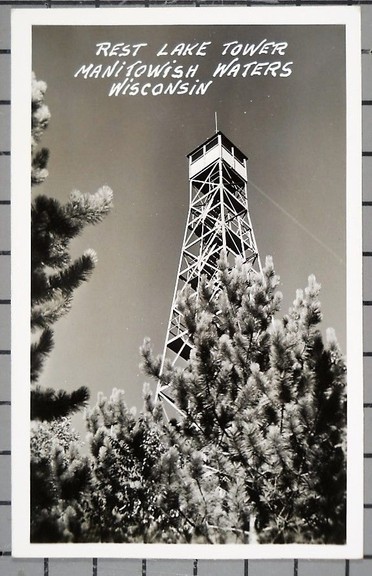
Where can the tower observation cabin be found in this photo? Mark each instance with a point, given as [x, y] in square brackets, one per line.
[218, 222]
[217, 147]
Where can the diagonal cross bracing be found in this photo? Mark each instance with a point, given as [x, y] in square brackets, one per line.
[218, 221]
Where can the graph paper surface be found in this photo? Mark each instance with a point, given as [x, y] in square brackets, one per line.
[148, 567]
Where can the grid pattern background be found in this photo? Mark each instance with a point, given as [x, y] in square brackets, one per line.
[148, 567]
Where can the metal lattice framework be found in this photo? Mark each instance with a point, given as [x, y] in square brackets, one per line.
[218, 222]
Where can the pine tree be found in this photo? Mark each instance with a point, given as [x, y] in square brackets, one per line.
[54, 276]
[264, 404]
[143, 485]
[259, 454]
[60, 482]
[141, 482]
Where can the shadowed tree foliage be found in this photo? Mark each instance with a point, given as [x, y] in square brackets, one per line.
[60, 477]
[264, 401]
[259, 454]
[54, 275]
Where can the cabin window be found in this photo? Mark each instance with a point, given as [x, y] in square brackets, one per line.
[198, 154]
[211, 144]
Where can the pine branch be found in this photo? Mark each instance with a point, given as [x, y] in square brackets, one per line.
[54, 305]
[48, 404]
[89, 208]
[150, 365]
[70, 277]
[50, 222]
[39, 352]
[39, 171]
[40, 113]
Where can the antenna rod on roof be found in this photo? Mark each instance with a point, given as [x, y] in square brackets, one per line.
[215, 120]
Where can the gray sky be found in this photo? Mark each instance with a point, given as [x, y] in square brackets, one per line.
[292, 130]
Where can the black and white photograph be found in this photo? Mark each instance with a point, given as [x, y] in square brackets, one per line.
[188, 282]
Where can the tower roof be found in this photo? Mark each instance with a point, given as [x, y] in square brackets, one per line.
[225, 141]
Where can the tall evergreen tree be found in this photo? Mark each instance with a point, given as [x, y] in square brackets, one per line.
[142, 482]
[259, 455]
[60, 482]
[54, 275]
[264, 402]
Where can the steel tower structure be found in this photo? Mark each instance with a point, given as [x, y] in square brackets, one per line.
[218, 221]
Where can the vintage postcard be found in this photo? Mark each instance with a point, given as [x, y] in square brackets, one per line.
[191, 270]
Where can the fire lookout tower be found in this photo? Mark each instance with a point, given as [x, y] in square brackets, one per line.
[218, 222]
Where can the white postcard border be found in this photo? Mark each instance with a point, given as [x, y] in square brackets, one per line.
[22, 22]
